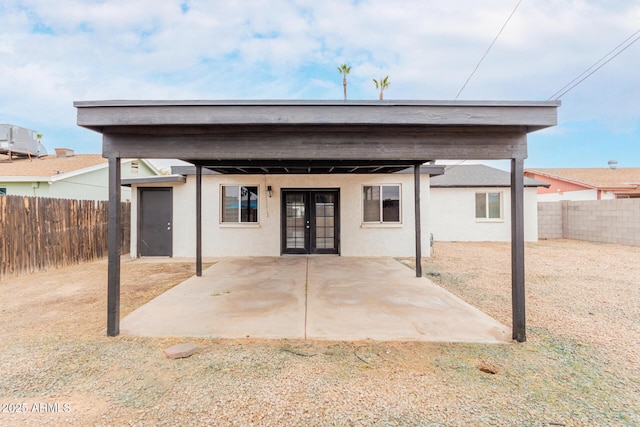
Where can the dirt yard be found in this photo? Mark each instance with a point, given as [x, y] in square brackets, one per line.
[578, 367]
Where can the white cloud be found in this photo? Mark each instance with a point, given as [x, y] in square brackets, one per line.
[57, 52]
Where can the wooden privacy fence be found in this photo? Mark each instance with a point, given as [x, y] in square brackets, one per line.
[41, 233]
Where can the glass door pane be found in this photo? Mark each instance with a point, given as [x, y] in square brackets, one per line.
[295, 221]
[324, 220]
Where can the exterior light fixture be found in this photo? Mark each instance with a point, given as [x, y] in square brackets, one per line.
[269, 191]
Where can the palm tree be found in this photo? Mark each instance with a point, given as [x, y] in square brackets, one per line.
[382, 85]
[344, 70]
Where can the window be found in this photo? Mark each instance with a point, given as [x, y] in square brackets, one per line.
[381, 203]
[239, 203]
[488, 205]
[3, 190]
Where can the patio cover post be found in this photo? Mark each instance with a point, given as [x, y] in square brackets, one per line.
[115, 247]
[517, 249]
[416, 180]
[198, 220]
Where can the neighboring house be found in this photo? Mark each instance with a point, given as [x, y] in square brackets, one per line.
[586, 183]
[472, 203]
[66, 175]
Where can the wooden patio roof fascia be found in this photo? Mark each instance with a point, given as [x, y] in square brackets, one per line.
[324, 130]
[533, 115]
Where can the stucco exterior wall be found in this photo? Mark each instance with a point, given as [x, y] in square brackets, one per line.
[263, 239]
[91, 185]
[452, 216]
[20, 188]
[555, 185]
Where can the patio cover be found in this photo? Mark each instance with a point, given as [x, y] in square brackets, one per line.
[281, 136]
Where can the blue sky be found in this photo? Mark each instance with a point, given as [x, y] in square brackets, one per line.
[54, 53]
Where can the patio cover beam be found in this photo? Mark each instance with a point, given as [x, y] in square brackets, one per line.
[343, 143]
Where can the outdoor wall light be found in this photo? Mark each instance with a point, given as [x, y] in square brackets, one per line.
[269, 191]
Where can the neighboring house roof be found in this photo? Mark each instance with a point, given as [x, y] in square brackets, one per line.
[428, 169]
[599, 178]
[48, 166]
[52, 168]
[477, 176]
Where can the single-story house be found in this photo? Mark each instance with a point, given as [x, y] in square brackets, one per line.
[288, 166]
[586, 183]
[346, 214]
[66, 175]
[270, 215]
[472, 203]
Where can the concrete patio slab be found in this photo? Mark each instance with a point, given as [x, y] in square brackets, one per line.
[381, 299]
[234, 298]
[313, 297]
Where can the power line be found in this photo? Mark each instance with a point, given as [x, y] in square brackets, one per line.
[488, 49]
[589, 71]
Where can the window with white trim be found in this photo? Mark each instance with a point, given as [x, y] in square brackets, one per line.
[239, 204]
[489, 205]
[381, 203]
[3, 190]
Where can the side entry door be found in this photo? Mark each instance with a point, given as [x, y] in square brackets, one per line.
[155, 235]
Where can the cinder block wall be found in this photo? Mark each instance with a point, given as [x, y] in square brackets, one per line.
[609, 221]
[549, 220]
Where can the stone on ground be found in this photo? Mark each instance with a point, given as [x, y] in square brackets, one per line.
[179, 351]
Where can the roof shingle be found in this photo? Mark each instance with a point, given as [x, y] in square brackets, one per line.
[477, 176]
[595, 177]
[48, 165]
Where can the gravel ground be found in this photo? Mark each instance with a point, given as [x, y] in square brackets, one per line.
[578, 367]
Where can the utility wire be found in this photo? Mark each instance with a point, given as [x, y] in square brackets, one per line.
[589, 71]
[488, 49]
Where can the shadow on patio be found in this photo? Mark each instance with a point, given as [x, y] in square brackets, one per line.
[313, 297]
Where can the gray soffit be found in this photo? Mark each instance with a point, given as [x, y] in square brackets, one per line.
[462, 176]
[310, 167]
[277, 167]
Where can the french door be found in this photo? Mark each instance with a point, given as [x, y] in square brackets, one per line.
[310, 221]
